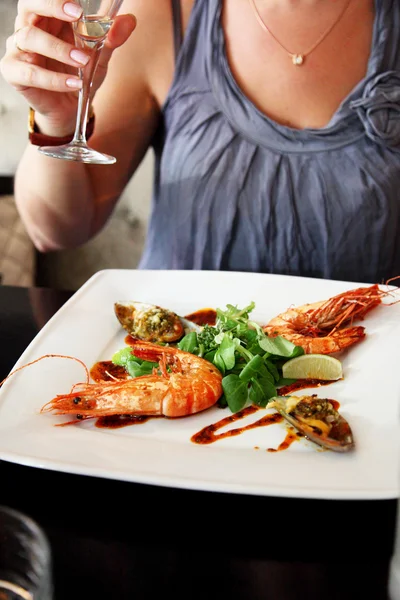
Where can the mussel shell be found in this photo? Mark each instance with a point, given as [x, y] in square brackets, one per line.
[306, 413]
[151, 322]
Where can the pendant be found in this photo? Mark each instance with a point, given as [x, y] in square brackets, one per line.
[297, 59]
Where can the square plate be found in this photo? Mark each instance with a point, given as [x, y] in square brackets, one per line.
[159, 451]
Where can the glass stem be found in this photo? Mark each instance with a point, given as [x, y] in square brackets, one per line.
[86, 76]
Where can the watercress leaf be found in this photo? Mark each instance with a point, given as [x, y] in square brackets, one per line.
[222, 403]
[261, 391]
[149, 366]
[237, 369]
[272, 369]
[257, 328]
[256, 349]
[250, 339]
[121, 357]
[277, 345]
[232, 316]
[236, 392]
[218, 362]
[297, 351]
[249, 336]
[264, 373]
[256, 392]
[252, 368]
[243, 313]
[241, 329]
[210, 355]
[133, 368]
[219, 337]
[226, 351]
[136, 369]
[189, 342]
[229, 324]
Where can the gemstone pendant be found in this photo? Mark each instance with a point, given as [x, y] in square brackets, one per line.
[297, 59]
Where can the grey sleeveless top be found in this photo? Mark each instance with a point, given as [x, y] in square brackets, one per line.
[234, 190]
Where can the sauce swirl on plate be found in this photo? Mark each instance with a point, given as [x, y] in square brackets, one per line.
[204, 316]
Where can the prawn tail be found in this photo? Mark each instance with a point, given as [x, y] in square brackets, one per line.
[337, 341]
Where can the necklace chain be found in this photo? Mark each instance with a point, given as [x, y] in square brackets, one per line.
[298, 59]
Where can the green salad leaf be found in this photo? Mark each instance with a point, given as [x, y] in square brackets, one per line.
[135, 366]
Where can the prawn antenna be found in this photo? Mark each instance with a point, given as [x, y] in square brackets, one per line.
[47, 356]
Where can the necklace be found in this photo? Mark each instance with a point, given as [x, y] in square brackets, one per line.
[298, 59]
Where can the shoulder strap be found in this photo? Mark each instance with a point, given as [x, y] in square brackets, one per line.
[177, 25]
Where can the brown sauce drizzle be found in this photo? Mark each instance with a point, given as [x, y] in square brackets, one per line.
[105, 370]
[204, 316]
[291, 436]
[300, 384]
[208, 434]
[118, 421]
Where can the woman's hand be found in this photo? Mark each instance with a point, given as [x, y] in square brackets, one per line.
[41, 60]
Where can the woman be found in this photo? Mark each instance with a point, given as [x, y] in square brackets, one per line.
[274, 125]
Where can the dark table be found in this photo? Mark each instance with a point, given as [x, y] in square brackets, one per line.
[118, 540]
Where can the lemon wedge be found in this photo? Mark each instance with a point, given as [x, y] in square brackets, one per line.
[313, 366]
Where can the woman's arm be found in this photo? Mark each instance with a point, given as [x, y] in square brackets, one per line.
[64, 203]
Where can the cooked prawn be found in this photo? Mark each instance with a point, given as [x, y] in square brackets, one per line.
[187, 384]
[321, 327]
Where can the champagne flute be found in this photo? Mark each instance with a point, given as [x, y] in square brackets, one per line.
[90, 33]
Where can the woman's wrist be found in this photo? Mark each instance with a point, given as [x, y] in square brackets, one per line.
[50, 127]
[38, 136]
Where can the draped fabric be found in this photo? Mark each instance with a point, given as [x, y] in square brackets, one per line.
[235, 190]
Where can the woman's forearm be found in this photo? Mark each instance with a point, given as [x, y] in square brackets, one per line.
[55, 200]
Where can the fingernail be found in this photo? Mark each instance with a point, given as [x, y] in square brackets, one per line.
[72, 10]
[79, 57]
[74, 83]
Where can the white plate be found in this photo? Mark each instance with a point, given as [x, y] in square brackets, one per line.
[160, 451]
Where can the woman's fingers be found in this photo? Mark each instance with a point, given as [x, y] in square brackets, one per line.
[23, 74]
[19, 66]
[29, 10]
[36, 41]
[122, 28]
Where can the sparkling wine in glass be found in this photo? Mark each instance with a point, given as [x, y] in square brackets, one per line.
[90, 34]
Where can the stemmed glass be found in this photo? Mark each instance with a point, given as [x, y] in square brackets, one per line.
[90, 32]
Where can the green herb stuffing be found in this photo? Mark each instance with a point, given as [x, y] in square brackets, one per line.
[249, 360]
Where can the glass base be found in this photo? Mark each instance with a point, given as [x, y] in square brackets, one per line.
[77, 152]
[12, 591]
